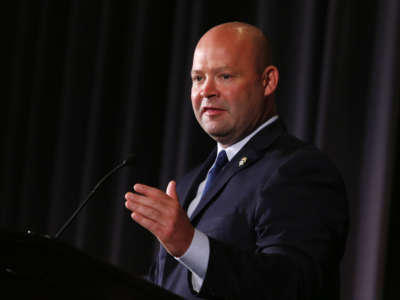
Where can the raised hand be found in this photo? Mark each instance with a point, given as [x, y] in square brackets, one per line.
[162, 215]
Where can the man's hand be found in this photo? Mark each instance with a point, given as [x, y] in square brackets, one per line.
[162, 215]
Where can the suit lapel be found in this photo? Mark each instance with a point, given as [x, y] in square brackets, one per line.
[248, 155]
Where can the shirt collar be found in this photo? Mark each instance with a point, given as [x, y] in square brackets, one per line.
[232, 150]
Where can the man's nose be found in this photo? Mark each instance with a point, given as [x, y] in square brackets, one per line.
[209, 89]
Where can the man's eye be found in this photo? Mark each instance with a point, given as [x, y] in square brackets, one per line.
[197, 78]
[226, 76]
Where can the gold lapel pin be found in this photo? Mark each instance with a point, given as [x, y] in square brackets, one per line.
[242, 161]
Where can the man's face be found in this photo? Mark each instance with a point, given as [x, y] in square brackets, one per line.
[227, 90]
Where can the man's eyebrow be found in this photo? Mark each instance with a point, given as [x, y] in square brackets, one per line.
[216, 70]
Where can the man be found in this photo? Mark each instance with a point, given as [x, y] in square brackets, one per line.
[267, 218]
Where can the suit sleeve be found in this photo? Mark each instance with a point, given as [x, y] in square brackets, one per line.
[300, 224]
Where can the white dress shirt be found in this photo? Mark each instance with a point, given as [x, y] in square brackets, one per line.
[196, 257]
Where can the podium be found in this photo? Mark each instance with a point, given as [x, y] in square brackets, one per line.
[39, 267]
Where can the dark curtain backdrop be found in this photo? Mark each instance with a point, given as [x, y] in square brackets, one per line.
[87, 82]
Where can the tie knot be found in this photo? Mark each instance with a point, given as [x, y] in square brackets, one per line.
[221, 160]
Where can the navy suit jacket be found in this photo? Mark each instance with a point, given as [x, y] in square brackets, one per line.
[277, 224]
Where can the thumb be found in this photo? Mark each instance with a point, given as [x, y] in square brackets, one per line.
[171, 190]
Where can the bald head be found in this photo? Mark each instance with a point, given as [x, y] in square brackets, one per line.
[233, 82]
[240, 34]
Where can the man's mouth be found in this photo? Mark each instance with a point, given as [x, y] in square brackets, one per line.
[212, 111]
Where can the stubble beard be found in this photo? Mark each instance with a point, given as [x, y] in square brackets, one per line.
[221, 133]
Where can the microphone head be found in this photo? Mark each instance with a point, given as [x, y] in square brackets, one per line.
[130, 159]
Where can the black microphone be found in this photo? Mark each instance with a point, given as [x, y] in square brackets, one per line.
[129, 160]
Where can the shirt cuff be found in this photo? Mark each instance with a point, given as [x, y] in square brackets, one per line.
[196, 257]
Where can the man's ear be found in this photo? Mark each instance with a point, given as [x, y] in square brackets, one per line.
[270, 78]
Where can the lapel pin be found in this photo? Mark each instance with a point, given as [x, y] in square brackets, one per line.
[242, 161]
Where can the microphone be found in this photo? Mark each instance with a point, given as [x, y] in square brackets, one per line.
[129, 160]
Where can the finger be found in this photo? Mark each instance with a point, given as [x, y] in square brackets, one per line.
[151, 225]
[157, 212]
[171, 190]
[131, 205]
[145, 211]
[144, 200]
[148, 190]
[147, 223]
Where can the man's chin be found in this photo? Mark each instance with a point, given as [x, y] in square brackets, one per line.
[216, 133]
[223, 138]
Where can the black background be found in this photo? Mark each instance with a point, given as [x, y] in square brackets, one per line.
[87, 82]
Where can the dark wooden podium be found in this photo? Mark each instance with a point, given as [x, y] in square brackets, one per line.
[39, 267]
